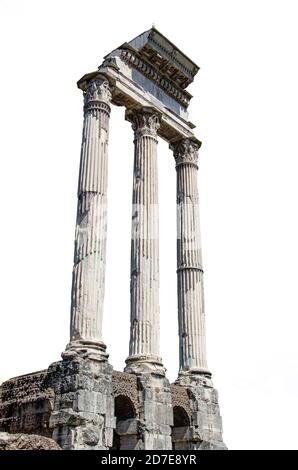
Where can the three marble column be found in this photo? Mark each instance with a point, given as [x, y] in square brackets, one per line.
[90, 242]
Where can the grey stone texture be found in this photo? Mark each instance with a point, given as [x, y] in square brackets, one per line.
[81, 404]
[88, 279]
[156, 416]
[204, 428]
[26, 442]
[144, 280]
[26, 404]
[147, 425]
[83, 412]
[190, 282]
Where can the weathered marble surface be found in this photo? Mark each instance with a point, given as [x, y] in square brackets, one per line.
[151, 71]
[147, 424]
[144, 278]
[191, 310]
[90, 240]
[83, 413]
[156, 413]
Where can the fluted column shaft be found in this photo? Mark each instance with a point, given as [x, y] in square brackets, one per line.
[90, 237]
[191, 313]
[144, 326]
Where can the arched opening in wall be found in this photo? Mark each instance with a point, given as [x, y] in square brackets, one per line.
[180, 430]
[181, 418]
[124, 408]
[125, 434]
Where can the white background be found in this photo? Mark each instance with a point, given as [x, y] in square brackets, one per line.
[245, 107]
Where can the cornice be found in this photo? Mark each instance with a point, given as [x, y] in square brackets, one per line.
[172, 58]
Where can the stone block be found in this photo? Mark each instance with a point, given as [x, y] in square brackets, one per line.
[108, 437]
[89, 401]
[126, 427]
[154, 441]
[182, 433]
[66, 418]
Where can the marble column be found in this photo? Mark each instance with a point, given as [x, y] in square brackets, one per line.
[90, 238]
[191, 314]
[144, 287]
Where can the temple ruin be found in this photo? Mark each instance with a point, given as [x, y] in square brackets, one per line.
[80, 401]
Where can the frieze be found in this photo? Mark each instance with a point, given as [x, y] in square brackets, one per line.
[149, 71]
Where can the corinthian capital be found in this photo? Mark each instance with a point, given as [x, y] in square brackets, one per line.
[145, 122]
[98, 90]
[186, 151]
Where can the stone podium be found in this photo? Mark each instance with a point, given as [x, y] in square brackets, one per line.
[80, 402]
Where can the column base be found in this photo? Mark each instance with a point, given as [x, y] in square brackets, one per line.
[143, 364]
[95, 350]
[195, 373]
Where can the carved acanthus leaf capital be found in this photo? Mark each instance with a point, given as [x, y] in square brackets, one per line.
[98, 90]
[186, 151]
[145, 122]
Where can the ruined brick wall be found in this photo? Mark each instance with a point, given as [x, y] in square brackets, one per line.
[26, 404]
[29, 404]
